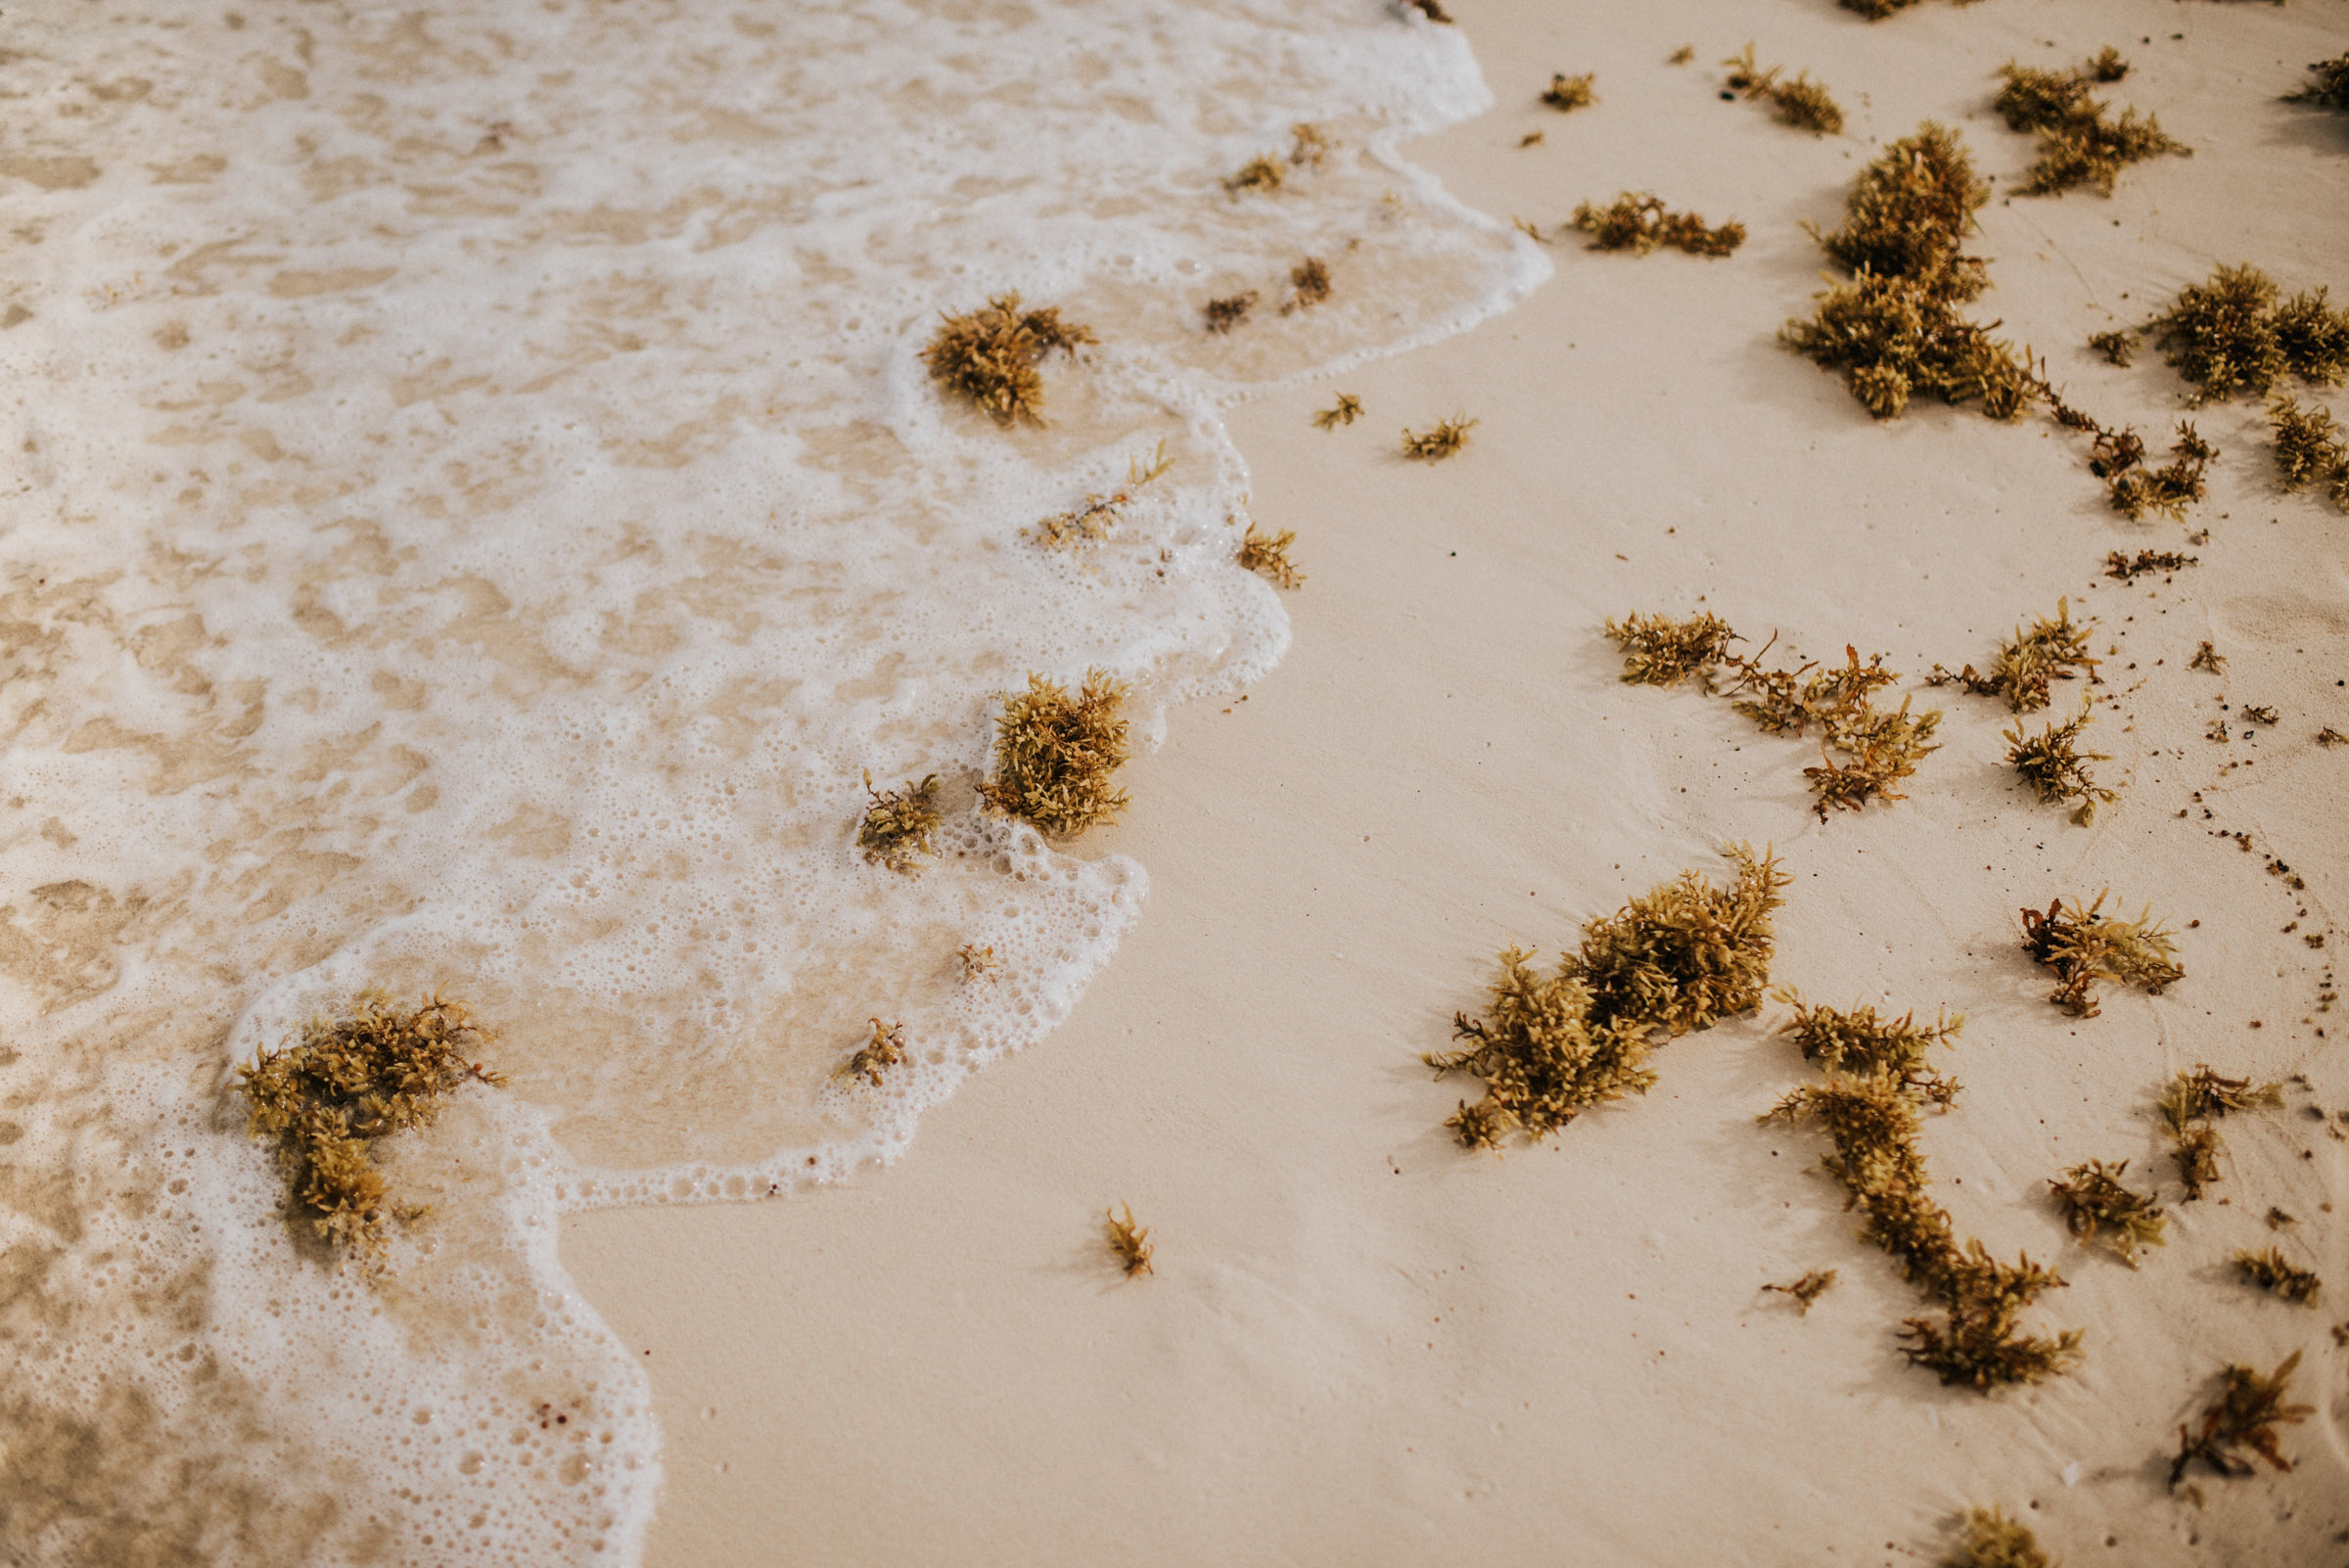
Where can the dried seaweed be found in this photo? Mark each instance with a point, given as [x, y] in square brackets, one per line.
[1055, 751]
[1907, 215]
[2277, 1275]
[1447, 438]
[1129, 1243]
[1638, 221]
[2028, 661]
[1884, 752]
[1991, 1540]
[2078, 145]
[1801, 102]
[897, 824]
[2054, 764]
[2118, 346]
[1567, 94]
[326, 1099]
[2095, 1205]
[1222, 315]
[1658, 651]
[1806, 1289]
[1345, 411]
[2239, 1425]
[2168, 490]
[2207, 658]
[2308, 448]
[1676, 959]
[1267, 555]
[2229, 335]
[1856, 1041]
[2087, 947]
[886, 1049]
[991, 356]
[1788, 702]
[2188, 1103]
[2127, 567]
[2331, 89]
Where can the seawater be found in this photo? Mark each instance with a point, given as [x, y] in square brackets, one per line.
[474, 512]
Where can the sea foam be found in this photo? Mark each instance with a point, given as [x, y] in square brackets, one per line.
[478, 514]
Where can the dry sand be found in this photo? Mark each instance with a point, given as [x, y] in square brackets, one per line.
[1362, 1344]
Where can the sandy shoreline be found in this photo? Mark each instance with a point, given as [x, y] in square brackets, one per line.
[1362, 1344]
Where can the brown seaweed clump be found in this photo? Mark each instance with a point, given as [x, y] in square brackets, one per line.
[1677, 958]
[1223, 314]
[886, 1049]
[2188, 1104]
[2119, 347]
[1856, 1041]
[2053, 764]
[1267, 556]
[1128, 1242]
[2308, 449]
[2078, 144]
[1988, 1539]
[2231, 335]
[991, 356]
[2087, 947]
[897, 824]
[1806, 1289]
[2331, 89]
[2128, 567]
[1638, 222]
[1443, 440]
[325, 1101]
[1345, 411]
[2118, 459]
[1308, 285]
[2239, 1425]
[1801, 102]
[2097, 1205]
[1658, 651]
[2272, 1272]
[1055, 752]
[2028, 661]
[1567, 94]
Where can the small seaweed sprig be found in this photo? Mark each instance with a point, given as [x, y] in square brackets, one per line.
[885, 1050]
[1806, 1289]
[2187, 1105]
[1567, 94]
[2128, 567]
[2087, 947]
[2239, 1425]
[1638, 222]
[1801, 102]
[1267, 556]
[2168, 490]
[2028, 661]
[2053, 764]
[2095, 1203]
[1447, 438]
[1128, 1242]
[897, 824]
[2272, 1272]
[1345, 411]
[1659, 650]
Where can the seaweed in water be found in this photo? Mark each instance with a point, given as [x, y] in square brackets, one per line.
[327, 1098]
[1267, 556]
[1447, 438]
[1677, 958]
[1093, 522]
[1801, 102]
[1222, 315]
[886, 1049]
[2239, 1425]
[977, 963]
[1991, 1540]
[1309, 146]
[991, 356]
[1638, 222]
[1308, 285]
[2095, 1203]
[1345, 411]
[2028, 661]
[2053, 764]
[1259, 173]
[1658, 651]
[1129, 1243]
[1567, 94]
[2188, 1103]
[2308, 449]
[2087, 947]
[897, 824]
[1055, 751]
[2277, 1275]
[1806, 1289]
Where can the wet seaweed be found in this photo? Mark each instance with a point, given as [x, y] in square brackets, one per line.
[2207, 658]
[2331, 89]
[1988, 1539]
[885, 1050]
[2098, 1205]
[1806, 1289]
[2188, 1106]
[1638, 221]
[991, 356]
[2087, 947]
[1055, 752]
[1309, 146]
[2053, 764]
[1222, 315]
[2028, 662]
[977, 963]
[1128, 1242]
[2239, 1425]
[347, 1082]
[1308, 285]
[1658, 651]
[1675, 959]
[1443, 440]
[2118, 346]
[1566, 94]
[2308, 445]
[897, 824]
[2272, 1272]
[1261, 172]
[1267, 556]
[1345, 411]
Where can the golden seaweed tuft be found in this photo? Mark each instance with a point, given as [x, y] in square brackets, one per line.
[977, 963]
[2087, 947]
[2028, 661]
[1855, 1040]
[1567, 94]
[347, 1082]
[991, 356]
[2239, 1425]
[897, 824]
[2207, 658]
[1128, 1242]
[2308, 448]
[1267, 556]
[885, 1050]
[2187, 1105]
[1988, 1539]
[1658, 651]
[2231, 335]
[2331, 89]
[2095, 1205]
[1055, 752]
[2168, 490]
[2272, 1272]
[1638, 221]
[1446, 437]
[2078, 144]
[2053, 764]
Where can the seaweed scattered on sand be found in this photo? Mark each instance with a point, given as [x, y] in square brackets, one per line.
[2331, 89]
[1881, 754]
[1806, 1289]
[886, 1049]
[2054, 764]
[1267, 556]
[1345, 411]
[2308, 449]
[2276, 1274]
[977, 963]
[1788, 702]
[1567, 94]
[1676, 959]
[2050, 651]
[1129, 1243]
[1308, 285]
[2188, 1103]
[1261, 172]
[1638, 222]
[1872, 1116]
[2087, 947]
[991, 356]
[1855, 1040]
[1055, 752]
[1907, 215]
[2168, 490]
[1801, 102]
[2239, 1425]
[347, 1082]
[2078, 145]
[2127, 567]
[2097, 1205]
[1447, 438]
[1988, 1539]
[2118, 346]
[897, 824]
[2231, 335]
[2207, 658]
[1222, 315]
[1658, 651]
